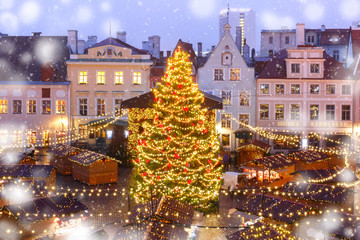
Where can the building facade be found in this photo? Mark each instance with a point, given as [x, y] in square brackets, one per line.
[108, 73]
[226, 74]
[272, 41]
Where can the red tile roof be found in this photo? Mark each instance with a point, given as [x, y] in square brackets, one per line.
[355, 39]
[119, 43]
[334, 37]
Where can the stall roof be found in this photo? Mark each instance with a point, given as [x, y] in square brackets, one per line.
[62, 150]
[25, 171]
[258, 144]
[14, 158]
[44, 208]
[346, 176]
[107, 120]
[87, 157]
[310, 156]
[274, 162]
[318, 192]
[145, 100]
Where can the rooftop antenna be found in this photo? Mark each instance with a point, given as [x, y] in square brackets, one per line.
[110, 29]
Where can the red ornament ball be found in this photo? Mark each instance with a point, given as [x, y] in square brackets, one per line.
[169, 165]
[147, 160]
[158, 177]
[185, 170]
[209, 161]
[208, 170]
[168, 138]
[189, 181]
[144, 174]
[176, 155]
[186, 109]
[168, 128]
[179, 86]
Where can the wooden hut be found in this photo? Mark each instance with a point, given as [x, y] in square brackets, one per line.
[252, 150]
[94, 168]
[60, 157]
[30, 220]
[11, 158]
[32, 173]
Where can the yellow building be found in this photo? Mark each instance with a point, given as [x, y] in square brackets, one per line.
[105, 75]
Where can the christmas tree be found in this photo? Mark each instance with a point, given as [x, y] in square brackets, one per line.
[177, 149]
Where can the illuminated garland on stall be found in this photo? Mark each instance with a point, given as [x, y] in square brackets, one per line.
[177, 148]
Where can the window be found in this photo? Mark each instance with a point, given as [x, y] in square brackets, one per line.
[243, 118]
[117, 106]
[314, 112]
[3, 106]
[345, 112]
[83, 77]
[100, 107]
[60, 106]
[45, 93]
[18, 136]
[295, 68]
[244, 98]
[226, 120]
[330, 88]
[83, 106]
[330, 112]
[264, 89]
[312, 39]
[295, 111]
[46, 107]
[295, 88]
[264, 111]
[31, 106]
[119, 78]
[225, 139]
[345, 89]
[279, 111]
[83, 132]
[31, 136]
[287, 40]
[270, 40]
[227, 58]
[308, 38]
[109, 51]
[100, 77]
[234, 74]
[226, 97]
[314, 88]
[137, 78]
[336, 55]
[279, 88]
[271, 53]
[218, 74]
[314, 68]
[17, 107]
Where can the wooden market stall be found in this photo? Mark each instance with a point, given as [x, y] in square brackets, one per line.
[94, 168]
[307, 160]
[252, 150]
[60, 157]
[10, 158]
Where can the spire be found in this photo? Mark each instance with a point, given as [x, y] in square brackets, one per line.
[228, 10]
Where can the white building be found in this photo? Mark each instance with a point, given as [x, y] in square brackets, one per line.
[227, 75]
[243, 23]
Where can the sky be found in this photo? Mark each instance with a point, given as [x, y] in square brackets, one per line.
[191, 20]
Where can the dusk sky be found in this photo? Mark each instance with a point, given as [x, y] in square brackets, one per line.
[191, 20]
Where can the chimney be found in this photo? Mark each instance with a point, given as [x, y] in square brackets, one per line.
[168, 53]
[73, 40]
[212, 48]
[300, 34]
[121, 36]
[323, 28]
[161, 56]
[199, 49]
[36, 34]
[156, 46]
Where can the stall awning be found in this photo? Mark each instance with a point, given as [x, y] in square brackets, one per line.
[107, 120]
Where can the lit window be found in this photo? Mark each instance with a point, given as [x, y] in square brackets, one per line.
[3, 106]
[244, 98]
[83, 77]
[17, 107]
[100, 77]
[295, 88]
[330, 88]
[225, 139]
[31, 106]
[314, 68]
[314, 88]
[60, 106]
[226, 120]
[218, 74]
[18, 135]
[100, 107]
[295, 111]
[117, 105]
[330, 112]
[46, 107]
[279, 88]
[119, 78]
[345, 112]
[83, 106]
[31, 136]
[264, 111]
[234, 74]
[264, 89]
[295, 68]
[226, 97]
[314, 112]
[244, 118]
[345, 89]
[137, 78]
[279, 111]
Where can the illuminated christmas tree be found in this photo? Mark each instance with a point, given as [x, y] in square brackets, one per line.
[177, 148]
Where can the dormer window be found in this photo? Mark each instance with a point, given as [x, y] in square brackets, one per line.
[109, 51]
[227, 58]
[295, 68]
[314, 68]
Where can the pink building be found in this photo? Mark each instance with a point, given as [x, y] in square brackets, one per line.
[306, 94]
